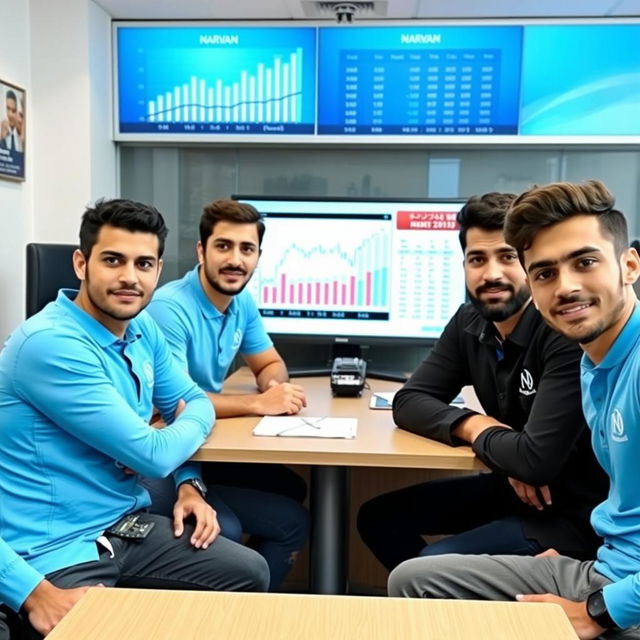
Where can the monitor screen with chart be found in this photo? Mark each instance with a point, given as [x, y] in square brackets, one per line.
[203, 80]
[370, 269]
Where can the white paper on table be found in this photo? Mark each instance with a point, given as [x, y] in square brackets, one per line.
[306, 427]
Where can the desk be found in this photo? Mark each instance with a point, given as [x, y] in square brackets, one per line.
[130, 614]
[378, 444]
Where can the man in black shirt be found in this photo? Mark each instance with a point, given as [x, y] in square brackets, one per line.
[545, 480]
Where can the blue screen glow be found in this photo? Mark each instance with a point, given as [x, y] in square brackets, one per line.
[419, 80]
[216, 80]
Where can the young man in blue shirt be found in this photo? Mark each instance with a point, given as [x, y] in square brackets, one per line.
[208, 318]
[78, 383]
[573, 244]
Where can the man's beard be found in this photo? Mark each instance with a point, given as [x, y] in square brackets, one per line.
[226, 291]
[594, 332]
[500, 311]
[111, 313]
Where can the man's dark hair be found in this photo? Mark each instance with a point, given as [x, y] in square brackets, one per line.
[542, 207]
[229, 211]
[121, 214]
[486, 212]
[11, 95]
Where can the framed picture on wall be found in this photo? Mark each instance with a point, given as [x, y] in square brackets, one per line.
[12, 131]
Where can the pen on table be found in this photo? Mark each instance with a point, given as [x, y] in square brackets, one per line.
[305, 423]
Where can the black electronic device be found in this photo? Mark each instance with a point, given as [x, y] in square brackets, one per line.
[131, 527]
[348, 376]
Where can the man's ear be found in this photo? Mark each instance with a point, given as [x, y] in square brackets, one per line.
[200, 252]
[630, 266]
[79, 264]
[160, 265]
[529, 285]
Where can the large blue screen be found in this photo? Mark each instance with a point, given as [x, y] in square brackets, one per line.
[581, 80]
[206, 80]
[419, 80]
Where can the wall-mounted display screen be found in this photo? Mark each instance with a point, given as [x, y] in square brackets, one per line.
[358, 268]
[413, 83]
[419, 80]
[216, 80]
[581, 80]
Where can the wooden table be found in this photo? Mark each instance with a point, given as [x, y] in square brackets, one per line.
[132, 614]
[378, 444]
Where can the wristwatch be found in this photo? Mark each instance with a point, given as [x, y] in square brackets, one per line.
[197, 484]
[597, 610]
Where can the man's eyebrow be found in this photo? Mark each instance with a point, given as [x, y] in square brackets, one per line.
[484, 252]
[241, 243]
[541, 264]
[118, 254]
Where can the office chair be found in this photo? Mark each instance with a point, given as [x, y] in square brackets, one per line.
[49, 268]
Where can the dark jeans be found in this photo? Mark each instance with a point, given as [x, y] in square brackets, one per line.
[277, 524]
[162, 561]
[479, 512]
[272, 478]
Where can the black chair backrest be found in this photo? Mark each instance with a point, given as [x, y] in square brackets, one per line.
[49, 268]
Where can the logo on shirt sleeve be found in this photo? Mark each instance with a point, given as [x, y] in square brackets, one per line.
[617, 427]
[526, 383]
[147, 368]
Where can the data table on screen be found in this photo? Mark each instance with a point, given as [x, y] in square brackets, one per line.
[358, 268]
[395, 81]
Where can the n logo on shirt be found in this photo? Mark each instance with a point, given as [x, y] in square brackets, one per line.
[237, 339]
[617, 427]
[526, 383]
[147, 367]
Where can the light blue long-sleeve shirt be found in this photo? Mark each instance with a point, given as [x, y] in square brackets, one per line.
[75, 402]
[611, 403]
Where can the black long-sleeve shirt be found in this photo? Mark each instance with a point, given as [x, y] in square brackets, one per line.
[531, 383]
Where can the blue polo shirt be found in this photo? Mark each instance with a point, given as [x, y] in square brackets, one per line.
[611, 403]
[75, 401]
[203, 340]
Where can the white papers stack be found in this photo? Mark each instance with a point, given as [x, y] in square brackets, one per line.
[305, 427]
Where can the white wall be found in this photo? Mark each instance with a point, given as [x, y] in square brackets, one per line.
[73, 156]
[15, 197]
[60, 52]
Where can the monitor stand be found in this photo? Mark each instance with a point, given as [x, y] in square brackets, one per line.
[348, 351]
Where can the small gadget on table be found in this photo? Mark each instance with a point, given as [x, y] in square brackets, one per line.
[348, 376]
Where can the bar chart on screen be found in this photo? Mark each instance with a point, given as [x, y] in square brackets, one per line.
[232, 81]
[271, 94]
[338, 266]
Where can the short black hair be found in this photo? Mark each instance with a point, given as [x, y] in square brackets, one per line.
[229, 211]
[11, 95]
[121, 214]
[486, 212]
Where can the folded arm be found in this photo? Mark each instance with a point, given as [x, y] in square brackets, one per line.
[74, 391]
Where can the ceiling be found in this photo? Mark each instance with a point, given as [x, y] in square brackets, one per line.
[382, 9]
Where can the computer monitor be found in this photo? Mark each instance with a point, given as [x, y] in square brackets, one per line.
[346, 270]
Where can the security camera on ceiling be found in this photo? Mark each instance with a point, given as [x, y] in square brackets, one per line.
[345, 11]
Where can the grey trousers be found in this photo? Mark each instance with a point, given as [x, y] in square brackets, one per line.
[4, 628]
[162, 561]
[499, 578]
